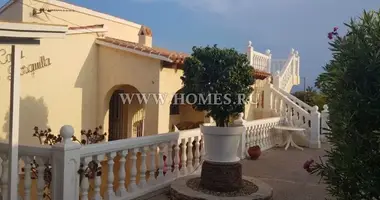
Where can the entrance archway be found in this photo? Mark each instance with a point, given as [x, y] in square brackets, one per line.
[126, 113]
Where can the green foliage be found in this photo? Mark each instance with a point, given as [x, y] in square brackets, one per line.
[311, 97]
[214, 71]
[351, 82]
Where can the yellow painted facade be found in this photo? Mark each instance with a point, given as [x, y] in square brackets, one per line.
[71, 80]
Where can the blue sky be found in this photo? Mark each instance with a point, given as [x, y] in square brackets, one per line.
[278, 25]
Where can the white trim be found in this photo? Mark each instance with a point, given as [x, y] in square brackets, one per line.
[159, 57]
[31, 30]
[90, 12]
[87, 30]
[32, 26]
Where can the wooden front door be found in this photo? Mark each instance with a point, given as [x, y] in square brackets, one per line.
[116, 125]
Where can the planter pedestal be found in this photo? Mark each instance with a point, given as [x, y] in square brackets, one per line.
[221, 177]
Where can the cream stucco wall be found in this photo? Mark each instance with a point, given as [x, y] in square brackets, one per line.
[118, 28]
[118, 68]
[169, 84]
[62, 93]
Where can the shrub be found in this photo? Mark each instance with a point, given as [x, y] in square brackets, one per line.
[47, 137]
[218, 74]
[351, 82]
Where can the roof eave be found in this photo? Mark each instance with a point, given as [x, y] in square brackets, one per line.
[141, 53]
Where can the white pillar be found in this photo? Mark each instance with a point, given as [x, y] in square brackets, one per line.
[315, 140]
[14, 117]
[267, 52]
[65, 166]
[268, 99]
[241, 122]
[250, 53]
[324, 119]
[276, 80]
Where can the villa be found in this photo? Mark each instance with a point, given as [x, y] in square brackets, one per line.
[101, 57]
[78, 81]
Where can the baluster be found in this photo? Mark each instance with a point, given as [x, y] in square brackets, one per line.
[143, 169]
[169, 160]
[254, 136]
[190, 167]
[274, 140]
[132, 185]
[260, 136]
[27, 177]
[247, 140]
[160, 175]
[265, 136]
[152, 175]
[196, 153]
[268, 135]
[110, 194]
[121, 190]
[176, 171]
[40, 178]
[4, 176]
[98, 179]
[203, 151]
[84, 183]
[183, 157]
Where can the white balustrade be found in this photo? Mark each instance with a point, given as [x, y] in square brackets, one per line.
[153, 162]
[151, 151]
[259, 61]
[287, 72]
[260, 133]
[287, 106]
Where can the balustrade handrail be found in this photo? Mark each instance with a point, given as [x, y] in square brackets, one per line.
[130, 143]
[260, 54]
[189, 133]
[29, 150]
[262, 121]
[285, 98]
[297, 100]
[286, 66]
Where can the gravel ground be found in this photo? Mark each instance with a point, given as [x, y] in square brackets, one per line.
[283, 170]
[247, 189]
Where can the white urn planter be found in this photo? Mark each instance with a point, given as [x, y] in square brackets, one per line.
[222, 143]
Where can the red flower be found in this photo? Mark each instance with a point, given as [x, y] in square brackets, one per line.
[307, 165]
[330, 35]
[335, 28]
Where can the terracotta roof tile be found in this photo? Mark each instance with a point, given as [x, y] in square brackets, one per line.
[261, 74]
[87, 27]
[176, 57]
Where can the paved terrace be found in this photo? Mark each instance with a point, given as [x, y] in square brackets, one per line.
[283, 170]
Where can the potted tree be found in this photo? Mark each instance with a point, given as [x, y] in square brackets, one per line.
[219, 82]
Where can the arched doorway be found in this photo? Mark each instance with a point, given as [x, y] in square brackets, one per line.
[183, 115]
[126, 113]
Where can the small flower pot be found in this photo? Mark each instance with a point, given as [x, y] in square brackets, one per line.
[254, 152]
